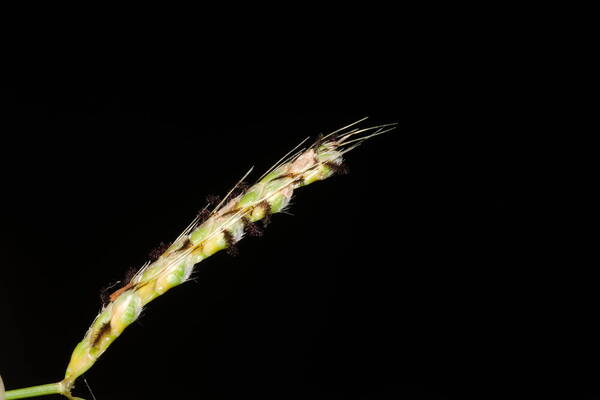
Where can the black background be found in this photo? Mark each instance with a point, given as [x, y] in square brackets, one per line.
[406, 279]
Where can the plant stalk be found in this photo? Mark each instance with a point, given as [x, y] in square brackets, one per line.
[34, 391]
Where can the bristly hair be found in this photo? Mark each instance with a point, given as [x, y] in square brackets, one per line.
[318, 142]
[267, 207]
[105, 293]
[231, 247]
[203, 215]
[157, 251]
[131, 272]
[251, 228]
[105, 296]
[340, 169]
[213, 199]
[240, 189]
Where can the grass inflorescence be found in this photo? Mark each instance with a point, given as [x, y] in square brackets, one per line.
[245, 210]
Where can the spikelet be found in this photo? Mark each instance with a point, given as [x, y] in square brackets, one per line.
[214, 231]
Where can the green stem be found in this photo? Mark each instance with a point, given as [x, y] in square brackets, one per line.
[33, 391]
